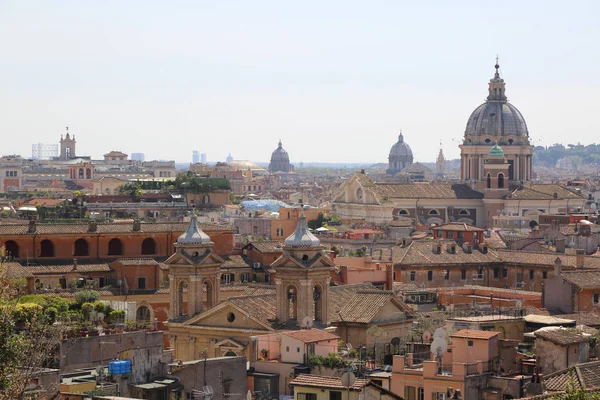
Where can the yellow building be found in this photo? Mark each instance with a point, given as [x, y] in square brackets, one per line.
[316, 387]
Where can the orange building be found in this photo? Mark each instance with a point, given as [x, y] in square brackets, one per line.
[94, 241]
[285, 225]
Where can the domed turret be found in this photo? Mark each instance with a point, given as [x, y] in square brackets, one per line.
[302, 237]
[193, 235]
[401, 156]
[280, 160]
[496, 151]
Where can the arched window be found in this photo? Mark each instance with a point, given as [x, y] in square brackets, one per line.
[208, 287]
[80, 173]
[46, 248]
[81, 248]
[403, 212]
[292, 303]
[464, 212]
[142, 314]
[318, 299]
[434, 212]
[359, 194]
[12, 248]
[148, 246]
[88, 174]
[489, 181]
[500, 181]
[115, 247]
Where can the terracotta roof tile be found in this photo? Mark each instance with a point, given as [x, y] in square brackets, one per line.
[425, 191]
[14, 270]
[311, 335]
[364, 306]
[421, 252]
[583, 279]
[65, 268]
[583, 318]
[268, 246]
[561, 336]
[330, 382]
[137, 261]
[235, 261]
[543, 192]
[457, 227]
[474, 334]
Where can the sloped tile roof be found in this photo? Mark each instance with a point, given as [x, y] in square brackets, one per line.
[329, 382]
[137, 261]
[582, 376]
[14, 270]
[364, 306]
[583, 318]
[235, 261]
[474, 334]
[268, 246]
[261, 307]
[339, 296]
[255, 290]
[536, 258]
[543, 192]
[583, 279]
[425, 191]
[65, 268]
[311, 335]
[458, 227]
[421, 252]
[561, 336]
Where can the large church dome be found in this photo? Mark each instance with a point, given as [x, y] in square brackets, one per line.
[496, 120]
[401, 156]
[280, 160]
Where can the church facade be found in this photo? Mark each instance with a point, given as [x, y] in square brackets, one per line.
[496, 177]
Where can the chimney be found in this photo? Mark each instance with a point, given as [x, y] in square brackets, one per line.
[579, 258]
[137, 225]
[484, 248]
[74, 264]
[31, 228]
[389, 277]
[557, 266]
[362, 171]
[92, 226]
[560, 245]
[467, 247]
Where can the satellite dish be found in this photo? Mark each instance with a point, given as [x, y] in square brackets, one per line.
[307, 322]
[348, 379]
[439, 347]
[395, 341]
[426, 336]
[439, 333]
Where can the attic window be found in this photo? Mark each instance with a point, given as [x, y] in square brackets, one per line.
[470, 343]
[304, 257]
[487, 140]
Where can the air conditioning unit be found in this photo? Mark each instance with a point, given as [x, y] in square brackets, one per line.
[256, 265]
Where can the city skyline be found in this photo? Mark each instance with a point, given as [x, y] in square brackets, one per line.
[164, 79]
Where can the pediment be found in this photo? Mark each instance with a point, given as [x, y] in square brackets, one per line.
[180, 258]
[230, 343]
[319, 261]
[219, 317]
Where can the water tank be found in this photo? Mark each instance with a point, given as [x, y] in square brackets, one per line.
[119, 367]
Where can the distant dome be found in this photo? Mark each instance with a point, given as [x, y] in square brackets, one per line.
[280, 160]
[193, 234]
[496, 151]
[302, 237]
[401, 148]
[401, 156]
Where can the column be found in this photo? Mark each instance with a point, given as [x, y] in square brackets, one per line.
[516, 168]
[173, 303]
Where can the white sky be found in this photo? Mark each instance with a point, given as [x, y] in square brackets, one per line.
[335, 80]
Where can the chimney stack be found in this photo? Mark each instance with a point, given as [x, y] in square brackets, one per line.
[92, 226]
[137, 225]
[389, 277]
[557, 266]
[74, 264]
[579, 258]
[484, 248]
[31, 228]
[560, 245]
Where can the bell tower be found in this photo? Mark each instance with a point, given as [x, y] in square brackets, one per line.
[302, 276]
[195, 267]
[67, 147]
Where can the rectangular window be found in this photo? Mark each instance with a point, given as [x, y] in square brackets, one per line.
[141, 283]
[413, 275]
[470, 343]
[596, 299]
[531, 274]
[335, 395]
[429, 275]
[287, 349]
[410, 393]
[446, 275]
[496, 273]
[420, 394]
[463, 274]
[504, 273]
[307, 396]
[279, 232]
[544, 274]
[297, 349]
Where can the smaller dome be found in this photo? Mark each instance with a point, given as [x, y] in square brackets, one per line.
[280, 154]
[496, 151]
[194, 234]
[302, 237]
[401, 148]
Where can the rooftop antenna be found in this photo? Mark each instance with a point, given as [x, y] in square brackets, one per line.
[439, 347]
[307, 322]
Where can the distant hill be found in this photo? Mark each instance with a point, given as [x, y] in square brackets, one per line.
[578, 154]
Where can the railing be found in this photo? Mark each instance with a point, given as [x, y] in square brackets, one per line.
[444, 369]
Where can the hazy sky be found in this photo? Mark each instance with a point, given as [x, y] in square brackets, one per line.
[335, 80]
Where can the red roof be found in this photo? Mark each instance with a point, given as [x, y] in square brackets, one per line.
[311, 335]
[364, 231]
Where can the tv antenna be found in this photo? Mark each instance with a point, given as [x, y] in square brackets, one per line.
[307, 322]
[439, 347]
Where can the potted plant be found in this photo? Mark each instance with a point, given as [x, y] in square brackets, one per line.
[264, 354]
